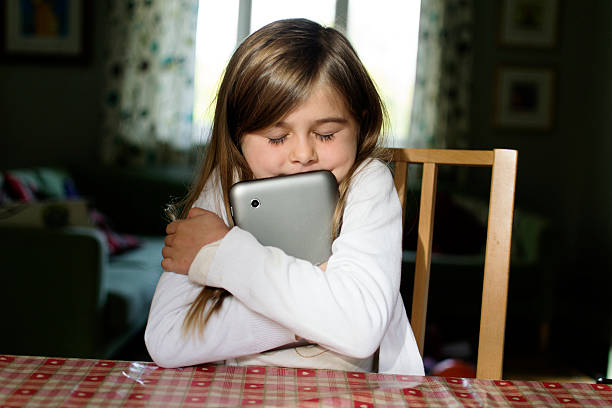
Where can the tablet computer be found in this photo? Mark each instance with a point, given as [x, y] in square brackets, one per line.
[293, 213]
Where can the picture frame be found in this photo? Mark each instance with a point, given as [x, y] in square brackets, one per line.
[525, 98]
[44, 31]
[529, 23]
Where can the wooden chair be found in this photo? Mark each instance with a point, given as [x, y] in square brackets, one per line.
[497, 254]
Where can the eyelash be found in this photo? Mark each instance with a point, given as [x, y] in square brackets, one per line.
[322, 137]
[326, 137]
[277, 141]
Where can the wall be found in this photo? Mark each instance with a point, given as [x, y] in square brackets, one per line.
[562, 173]
[592, 275]
[50, 113]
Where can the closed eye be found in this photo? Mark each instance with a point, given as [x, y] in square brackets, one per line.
[325, 137]
[277, 140]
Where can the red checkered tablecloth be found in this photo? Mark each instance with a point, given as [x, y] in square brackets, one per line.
[45, 382]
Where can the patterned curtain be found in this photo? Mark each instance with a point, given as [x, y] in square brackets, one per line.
[148, 100]
[440, 112]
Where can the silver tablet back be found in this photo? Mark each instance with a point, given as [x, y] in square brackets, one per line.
[293, 213]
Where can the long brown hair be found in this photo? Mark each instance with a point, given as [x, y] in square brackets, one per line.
[270, 74]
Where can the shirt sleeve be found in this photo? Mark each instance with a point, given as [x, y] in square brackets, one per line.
[348, 307]
[232, 331]
[198, 271]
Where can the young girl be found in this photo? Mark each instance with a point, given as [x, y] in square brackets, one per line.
[294, 98]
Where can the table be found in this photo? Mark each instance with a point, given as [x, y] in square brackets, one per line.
[44, 381]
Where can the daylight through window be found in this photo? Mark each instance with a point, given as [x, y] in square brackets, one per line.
[384, 33]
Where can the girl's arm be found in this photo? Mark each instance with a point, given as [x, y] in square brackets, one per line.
[347, 307]
[232, 331]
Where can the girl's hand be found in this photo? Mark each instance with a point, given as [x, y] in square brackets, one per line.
[186, 237]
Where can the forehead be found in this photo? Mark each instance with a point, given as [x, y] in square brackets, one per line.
[322, 100]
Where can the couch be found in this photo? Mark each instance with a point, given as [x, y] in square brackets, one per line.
[77, 286]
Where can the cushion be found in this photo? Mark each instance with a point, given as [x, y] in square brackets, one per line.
[55, 183]
[43, 183]
[117, 243]
[19, 187]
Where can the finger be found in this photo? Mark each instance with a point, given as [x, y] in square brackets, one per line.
[166, 264]
[166, 252]
[196, 211]
[171, 228]
[169, 240]
[170, 265]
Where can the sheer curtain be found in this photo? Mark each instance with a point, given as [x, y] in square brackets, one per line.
[440, 112]
[148, 99]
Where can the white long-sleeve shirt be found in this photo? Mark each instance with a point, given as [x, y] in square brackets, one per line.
[351, 309]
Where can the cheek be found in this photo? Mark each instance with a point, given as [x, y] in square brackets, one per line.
[340, 160]
[251, 152]
[345, 153]
[263, 161]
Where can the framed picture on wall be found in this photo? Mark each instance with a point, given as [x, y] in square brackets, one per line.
[43, 30]
[529, 23]
[525, 98]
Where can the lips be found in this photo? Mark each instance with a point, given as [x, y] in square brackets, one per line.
[303, 170]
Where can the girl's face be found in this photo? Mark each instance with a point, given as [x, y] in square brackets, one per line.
[319, 134]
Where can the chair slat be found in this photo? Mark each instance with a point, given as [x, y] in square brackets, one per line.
[444, 156]
[423, 256]
[497, 256]
[497, 265]
[400, 178]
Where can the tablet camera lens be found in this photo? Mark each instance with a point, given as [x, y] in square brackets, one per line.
[255, 203]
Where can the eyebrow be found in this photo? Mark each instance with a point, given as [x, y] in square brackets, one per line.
[321, 121]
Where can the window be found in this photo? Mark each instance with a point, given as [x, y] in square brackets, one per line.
[384, 33]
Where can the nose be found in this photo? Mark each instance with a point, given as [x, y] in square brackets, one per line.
[304, 151]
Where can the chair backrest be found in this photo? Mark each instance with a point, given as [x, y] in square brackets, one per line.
[497, 253]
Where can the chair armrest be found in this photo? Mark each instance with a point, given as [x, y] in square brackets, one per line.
[57, 290]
